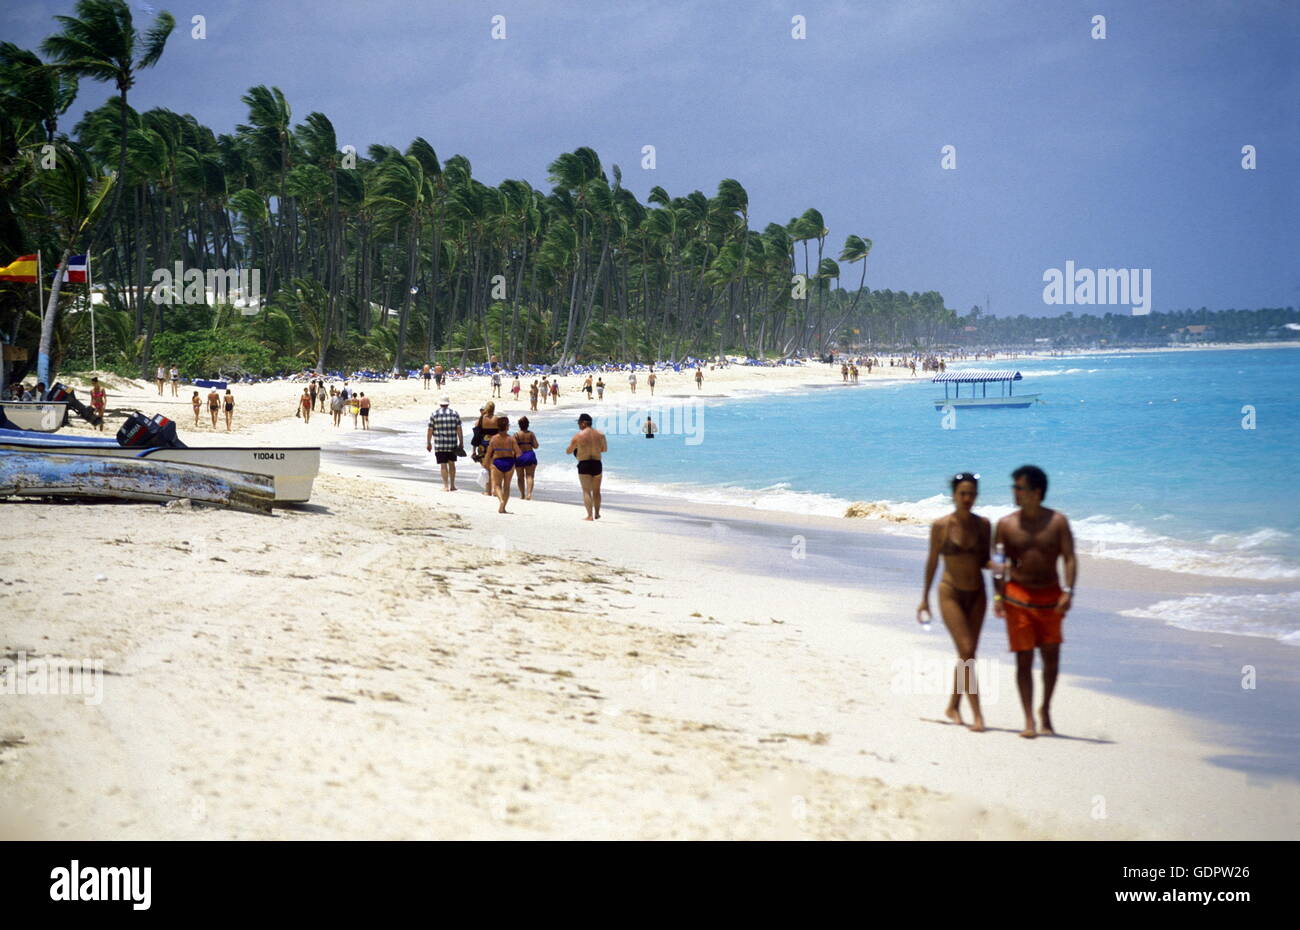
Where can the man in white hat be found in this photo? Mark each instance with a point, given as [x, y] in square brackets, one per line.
[445, 439]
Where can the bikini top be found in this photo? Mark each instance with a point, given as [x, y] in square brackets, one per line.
[951, 548]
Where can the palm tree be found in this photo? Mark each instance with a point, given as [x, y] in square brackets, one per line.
[856, 249]
[33, 90]
[102, 43]
[72, 202]
[271, 146]
[402, 190]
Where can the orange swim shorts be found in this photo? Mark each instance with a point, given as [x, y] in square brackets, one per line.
[1032, 617]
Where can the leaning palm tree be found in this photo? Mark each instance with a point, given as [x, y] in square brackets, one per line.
[856, 249]
[102, 43]
[72, 202]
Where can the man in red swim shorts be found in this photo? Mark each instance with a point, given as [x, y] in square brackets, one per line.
[1032, 599]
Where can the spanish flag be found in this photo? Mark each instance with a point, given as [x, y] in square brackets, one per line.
[23, 270]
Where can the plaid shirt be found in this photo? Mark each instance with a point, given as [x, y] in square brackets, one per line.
[444, 422]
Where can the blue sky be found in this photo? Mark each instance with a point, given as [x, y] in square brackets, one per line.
[1122, 152]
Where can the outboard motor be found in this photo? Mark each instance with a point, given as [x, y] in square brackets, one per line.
[69, 396]
[142, 432]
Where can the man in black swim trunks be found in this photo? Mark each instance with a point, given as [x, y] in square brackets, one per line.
[587, 444]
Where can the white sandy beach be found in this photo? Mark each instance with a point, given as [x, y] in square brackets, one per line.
[395, 662]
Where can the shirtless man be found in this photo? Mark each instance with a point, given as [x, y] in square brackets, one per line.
[214, 405]
[587, 444]
[1032, 600]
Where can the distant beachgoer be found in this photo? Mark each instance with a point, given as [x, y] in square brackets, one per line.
[427, 374]
[699, 378]
[496, 384]
[853, 373]
[228, 406]
[631, 381]
[600, 389]
[160, 376]
[514, 389]
[305, 404]
[444, 439]
[438, 374]
[214, 405]
[586, 386]
[364, 404]
[650, 428]
[844, 372]
[336, 406]
[99, 402]
[197, 402]
[354, 405]
[526, 464]
[532, 396]
[502, 452]
[962, 601]
[311, 389]
[1031, 599]
[176, 381]
[651, 381]
[555, 392]
[587, 445]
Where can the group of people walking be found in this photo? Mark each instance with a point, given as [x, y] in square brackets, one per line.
[337, 400]
[505, 457]
[216, 404]
[1022, 552]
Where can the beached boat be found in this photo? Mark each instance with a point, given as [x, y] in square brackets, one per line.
[39, 473]
[292, 470]
[979, 395]
[40, 416]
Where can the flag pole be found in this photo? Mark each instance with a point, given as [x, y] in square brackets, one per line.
[40, 289]
[90, 298]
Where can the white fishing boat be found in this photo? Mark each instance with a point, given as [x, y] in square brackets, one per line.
[39, 416]
[979, 382]
[293, 470]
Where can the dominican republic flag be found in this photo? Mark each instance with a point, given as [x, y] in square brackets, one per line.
[75, 272]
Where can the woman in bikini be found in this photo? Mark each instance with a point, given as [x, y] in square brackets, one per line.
[305, 403]
[99, 402]
[963, 539]
[198, 407]
[526, 464]
[214, 405]
[229, 407]
[485, 429]
[502, 451]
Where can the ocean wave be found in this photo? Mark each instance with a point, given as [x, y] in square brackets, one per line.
[1272, 616]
